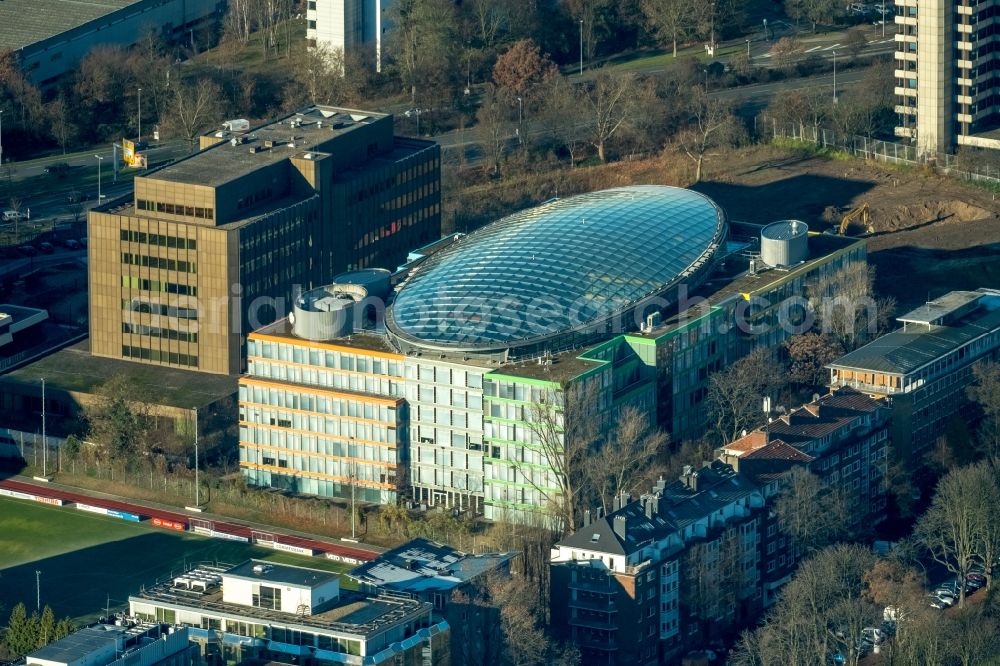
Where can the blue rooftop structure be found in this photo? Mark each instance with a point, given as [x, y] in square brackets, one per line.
[559, 275]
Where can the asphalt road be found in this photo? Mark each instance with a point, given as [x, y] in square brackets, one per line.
[748, 99]
[60, 256]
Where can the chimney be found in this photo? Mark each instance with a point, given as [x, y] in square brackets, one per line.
[624, 499]
[620, 527]
[649, 503]
[690, 478]
[586, 518]
[600, 512]
[615, 504]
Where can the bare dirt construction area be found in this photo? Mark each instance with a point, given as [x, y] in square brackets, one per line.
[929, 234]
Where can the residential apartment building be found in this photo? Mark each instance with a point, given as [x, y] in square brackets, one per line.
[473, 351]
[843, 438]
[353, 27]
[217, 244]
[948, 73]
[260, 612]
[677, 567]
[923, 369]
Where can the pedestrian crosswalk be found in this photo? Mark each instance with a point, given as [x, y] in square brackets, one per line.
[831, 47]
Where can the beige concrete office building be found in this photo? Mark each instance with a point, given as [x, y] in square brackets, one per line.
[218, 244]
[948, 73]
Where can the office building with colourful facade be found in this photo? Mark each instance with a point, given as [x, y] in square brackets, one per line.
[445, 381]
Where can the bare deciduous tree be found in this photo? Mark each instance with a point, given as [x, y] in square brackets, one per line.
[195, 107]
[735, 394]
[813, 514]
[671, 20]
[712, 125]
[493, 128]
[623, 461]
[567, 429]
[612, 99]
[950, 529]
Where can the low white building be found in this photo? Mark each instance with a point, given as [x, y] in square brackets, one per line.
[277, 612]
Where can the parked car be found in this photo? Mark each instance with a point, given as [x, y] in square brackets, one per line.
[57, 168]
[71, 244]
[46, 247]
[27, 250]
[77, 197]
[946, 596]
[937, 602]
[975, 581]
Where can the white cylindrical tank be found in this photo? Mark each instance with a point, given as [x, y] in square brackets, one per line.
[326, 313]
[784, 243]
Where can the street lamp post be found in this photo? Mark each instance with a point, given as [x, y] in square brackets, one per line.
[140, 115]
[748, 47]
[520, 118]
[883, 18]
[38, 590]
[197, 487]
[45, 441]
[100, 160]
[581, 47]
[834, 77]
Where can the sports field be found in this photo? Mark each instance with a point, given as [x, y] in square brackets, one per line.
[85, 559]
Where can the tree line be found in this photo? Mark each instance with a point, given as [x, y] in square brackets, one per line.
[27, 633]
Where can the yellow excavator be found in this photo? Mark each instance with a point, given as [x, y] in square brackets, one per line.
[861, 214]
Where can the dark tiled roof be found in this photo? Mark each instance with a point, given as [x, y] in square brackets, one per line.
[910, 348]
[677, 506]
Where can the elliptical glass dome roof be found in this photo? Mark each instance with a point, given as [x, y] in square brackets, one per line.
[560, 274]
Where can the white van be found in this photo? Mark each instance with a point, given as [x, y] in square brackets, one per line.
[13, 215]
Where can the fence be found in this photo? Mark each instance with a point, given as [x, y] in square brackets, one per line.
[885, 151]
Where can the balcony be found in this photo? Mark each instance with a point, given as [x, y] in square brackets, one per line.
[592, 623]
[600, 587]
[606, 605]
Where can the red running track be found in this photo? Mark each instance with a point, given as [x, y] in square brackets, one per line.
[235, 529]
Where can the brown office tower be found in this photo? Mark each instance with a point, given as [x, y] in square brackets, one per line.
[215, 245]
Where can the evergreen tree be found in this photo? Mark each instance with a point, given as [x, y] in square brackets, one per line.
[46, 627]
[64, 628]
[22, 631]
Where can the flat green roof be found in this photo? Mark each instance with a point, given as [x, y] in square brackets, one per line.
[25, 22]
[74, 369]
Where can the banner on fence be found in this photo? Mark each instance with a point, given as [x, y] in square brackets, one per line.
[169, 524]
[91, 508]
[124, 515]
[288, 548]
[14, 493]
[54, 501]
[231, 537]
[342, 558]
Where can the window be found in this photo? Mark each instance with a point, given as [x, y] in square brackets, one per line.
[265, 596]
[311, 25]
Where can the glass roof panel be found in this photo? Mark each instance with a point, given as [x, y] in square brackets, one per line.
[557, 266]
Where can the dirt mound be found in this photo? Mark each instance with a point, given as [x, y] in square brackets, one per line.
[917, 215]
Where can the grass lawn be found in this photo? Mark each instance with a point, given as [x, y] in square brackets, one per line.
[86, 558]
